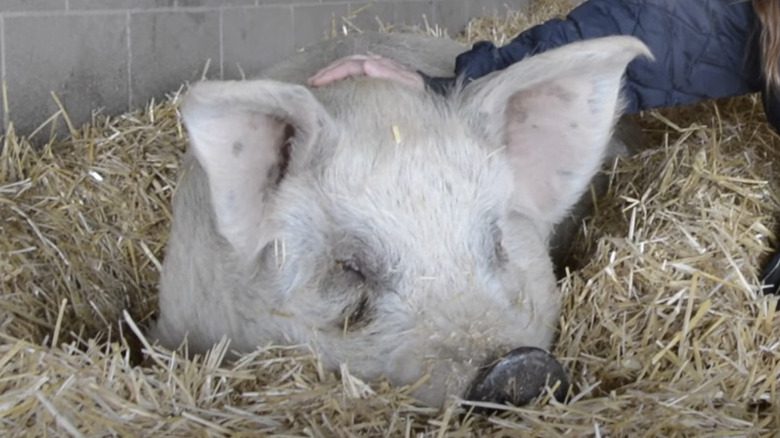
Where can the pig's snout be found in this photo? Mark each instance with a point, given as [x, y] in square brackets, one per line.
[519, 377]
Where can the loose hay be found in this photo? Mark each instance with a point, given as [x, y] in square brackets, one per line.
[663, 329]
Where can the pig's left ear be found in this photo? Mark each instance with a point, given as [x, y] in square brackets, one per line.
[246, 135]
[554, 112]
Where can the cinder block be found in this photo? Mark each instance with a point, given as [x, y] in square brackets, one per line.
[413, 13]
[285, 2]
[84, 58]
[313, 23]
[81, 58]
[496, 7]
[31, 5]
[213, 3]
[120, 4]
[255, 38]
[168, 48]
[452, 15]
[367, 15]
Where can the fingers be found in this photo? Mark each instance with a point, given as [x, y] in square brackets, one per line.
[337, 73]
[340, 69]
[384, 68]
[367, 65]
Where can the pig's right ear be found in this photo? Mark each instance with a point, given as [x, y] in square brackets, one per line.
[554, 114]
[244, 134]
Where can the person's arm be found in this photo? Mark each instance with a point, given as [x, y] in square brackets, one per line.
[701, 48]
[485, 58]
[591, 19]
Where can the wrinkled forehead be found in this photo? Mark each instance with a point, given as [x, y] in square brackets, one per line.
[409, 156]
[370, 108]
[389, 130]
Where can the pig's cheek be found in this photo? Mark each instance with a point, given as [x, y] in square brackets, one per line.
[435, 380]
[513, 284]
[405, 364]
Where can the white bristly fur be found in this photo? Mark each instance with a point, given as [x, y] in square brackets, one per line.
[448, 228]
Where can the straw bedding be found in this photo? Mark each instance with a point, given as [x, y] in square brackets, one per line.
[663, 331]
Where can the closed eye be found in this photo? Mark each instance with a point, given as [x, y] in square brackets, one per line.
[499, 252]
[351, 267]
[357, 315]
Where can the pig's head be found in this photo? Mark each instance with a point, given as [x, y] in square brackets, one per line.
[399, 232]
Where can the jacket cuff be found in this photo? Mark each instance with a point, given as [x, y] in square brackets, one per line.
[483, 58]
[439, 85]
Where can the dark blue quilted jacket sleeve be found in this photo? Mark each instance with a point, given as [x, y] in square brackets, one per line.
[703, 48]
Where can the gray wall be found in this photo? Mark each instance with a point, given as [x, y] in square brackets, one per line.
[117, 54]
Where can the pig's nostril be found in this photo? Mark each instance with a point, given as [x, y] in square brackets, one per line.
[519, 377]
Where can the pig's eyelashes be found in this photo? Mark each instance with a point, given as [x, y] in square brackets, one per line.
[500, 255]
[357, 315]
[352, 268]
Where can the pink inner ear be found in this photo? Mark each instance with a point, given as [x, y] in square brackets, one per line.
[556, 134]
[242, 155]
[239, 133]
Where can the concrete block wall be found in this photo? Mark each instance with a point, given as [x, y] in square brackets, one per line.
[116, 55]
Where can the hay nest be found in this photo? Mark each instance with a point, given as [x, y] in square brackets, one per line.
[663, 330]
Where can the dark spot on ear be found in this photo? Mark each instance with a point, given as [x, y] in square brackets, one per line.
[561, 93]
[594, 104]
[596, 100]
[238, 147]
[516, 111]
[529, 93]
[520, 115]
[565, 173]
[574, 125]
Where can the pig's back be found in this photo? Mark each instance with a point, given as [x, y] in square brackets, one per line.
[432, 56]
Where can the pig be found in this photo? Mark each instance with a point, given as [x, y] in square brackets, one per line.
[402, 233]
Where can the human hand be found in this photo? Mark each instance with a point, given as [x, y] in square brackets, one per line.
[367, 65]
